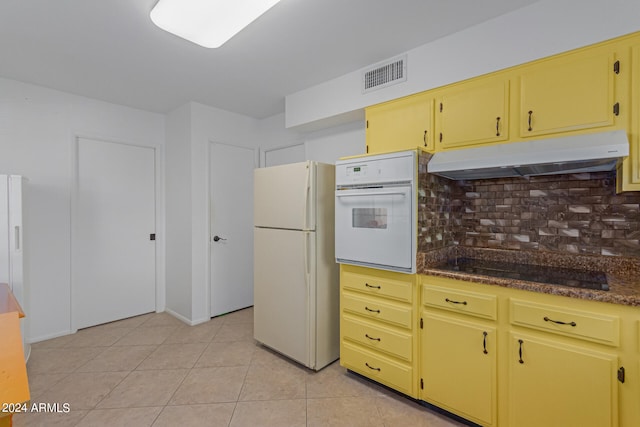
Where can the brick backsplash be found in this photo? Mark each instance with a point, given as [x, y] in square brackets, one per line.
[436, 225]
[574, 213]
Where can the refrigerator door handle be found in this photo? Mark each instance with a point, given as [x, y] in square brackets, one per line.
[307, 188]
[17, 237]
[306, 258]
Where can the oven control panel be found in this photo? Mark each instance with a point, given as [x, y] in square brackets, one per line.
[380, 168]
[357, 170]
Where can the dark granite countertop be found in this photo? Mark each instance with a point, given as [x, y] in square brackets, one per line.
[623, 274]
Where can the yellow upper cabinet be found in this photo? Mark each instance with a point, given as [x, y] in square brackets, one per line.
[569, 93]
[472, 113]
[628, 178]
[402, 124]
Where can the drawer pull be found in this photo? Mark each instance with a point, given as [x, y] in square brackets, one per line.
[520, 351]
[371, 310]
[372, 338]
[484, 342]
[372, 286]
[455, 302]
[371, 367]
[546, 319]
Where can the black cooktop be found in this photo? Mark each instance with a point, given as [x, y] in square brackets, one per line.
[531, 273]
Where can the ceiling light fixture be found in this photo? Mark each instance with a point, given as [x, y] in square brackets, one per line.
[208, 23]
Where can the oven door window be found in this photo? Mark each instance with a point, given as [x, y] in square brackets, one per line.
[369, 217]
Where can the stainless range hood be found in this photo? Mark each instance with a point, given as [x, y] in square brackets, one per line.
[594, 152]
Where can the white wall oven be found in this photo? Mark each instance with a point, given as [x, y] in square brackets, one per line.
[376, 211]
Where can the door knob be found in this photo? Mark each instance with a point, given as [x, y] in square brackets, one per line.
[217, 238]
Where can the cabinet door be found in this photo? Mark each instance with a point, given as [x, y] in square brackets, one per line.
[458, 367]
[473, 113]
[628, 178]
[403, 124]
[553, 384]
[567, 94]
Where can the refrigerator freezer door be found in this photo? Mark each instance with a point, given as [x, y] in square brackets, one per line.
[284, 289]
[4, 229]
[284, 196]
[12, 255]
[16, 231]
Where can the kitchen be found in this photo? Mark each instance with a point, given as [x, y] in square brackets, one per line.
[60, 115]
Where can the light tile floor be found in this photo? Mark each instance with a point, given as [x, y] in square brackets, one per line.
[153, 370]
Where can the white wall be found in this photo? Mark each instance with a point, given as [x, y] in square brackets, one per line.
[38, 127]
[283, 155]
[542, 29]
[178, 211]
[279, 145]
[329, 145]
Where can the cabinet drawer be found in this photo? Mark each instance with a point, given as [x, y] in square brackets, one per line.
[390, 288]
[374, 308]
[578, 324]
[377, 367]
[472, 303]
[377, 337]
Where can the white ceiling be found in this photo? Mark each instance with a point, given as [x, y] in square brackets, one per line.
[110, 49]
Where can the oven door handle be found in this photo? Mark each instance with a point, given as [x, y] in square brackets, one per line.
[386, 193]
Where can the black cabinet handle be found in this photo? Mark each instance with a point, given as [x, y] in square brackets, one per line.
[372, 338]
[557, 322]
[424, 138]
[497, 126]
[530, 114]
[455, 302]
[520, 351]
[371, 367]
[371, 310]
[372, 286]
[484, 342]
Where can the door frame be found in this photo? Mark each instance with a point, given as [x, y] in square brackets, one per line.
[208, 272]
[264, 152]
[160, 302]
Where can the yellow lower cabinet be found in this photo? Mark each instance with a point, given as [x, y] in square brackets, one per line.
[377, 337]
[378, 309]
[378, 315]
[458, 367]
[554, 384]
[378, 367]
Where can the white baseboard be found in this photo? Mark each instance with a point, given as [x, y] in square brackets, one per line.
[49, 337]
[184, 319]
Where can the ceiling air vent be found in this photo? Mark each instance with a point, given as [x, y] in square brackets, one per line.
[384, 74]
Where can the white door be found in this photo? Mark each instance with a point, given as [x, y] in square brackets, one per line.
[284, 312]
[231, 225]
[113, 218]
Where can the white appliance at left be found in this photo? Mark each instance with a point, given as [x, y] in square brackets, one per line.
[12, 253]
[296, 278]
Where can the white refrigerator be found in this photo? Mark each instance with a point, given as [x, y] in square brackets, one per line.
[296, 278]
[12, 259]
